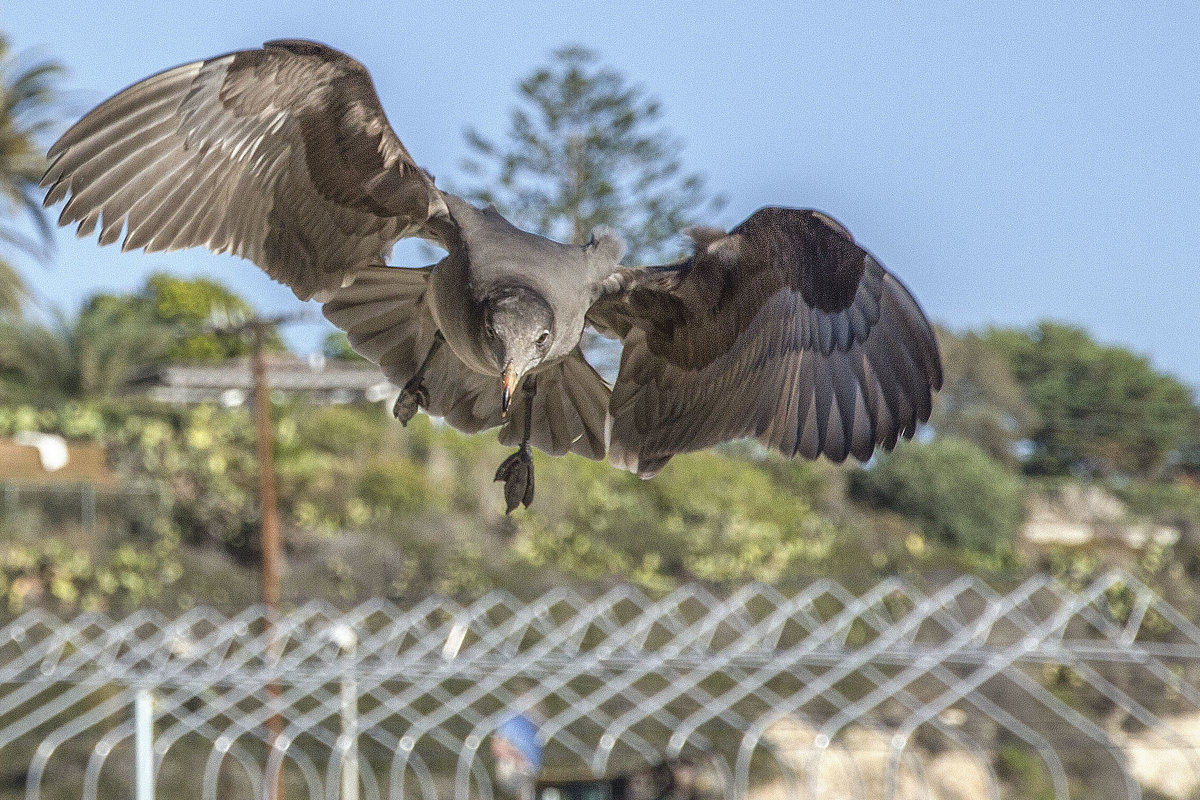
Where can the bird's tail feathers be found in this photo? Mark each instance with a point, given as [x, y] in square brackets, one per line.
[569, 410]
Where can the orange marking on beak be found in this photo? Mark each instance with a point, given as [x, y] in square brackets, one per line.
[508, 385]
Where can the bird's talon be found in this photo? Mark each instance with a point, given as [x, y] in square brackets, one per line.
[517, 473]
[528, 496]
[411, 399]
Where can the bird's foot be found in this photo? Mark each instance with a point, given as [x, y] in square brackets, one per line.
[517, 473]
[412, 397]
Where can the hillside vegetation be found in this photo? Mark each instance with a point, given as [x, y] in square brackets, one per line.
[371, 508]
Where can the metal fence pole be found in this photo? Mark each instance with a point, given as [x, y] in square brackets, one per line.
[143, 711]
[347, 642]
[808, 686]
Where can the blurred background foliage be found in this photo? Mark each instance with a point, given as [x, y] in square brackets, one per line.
[1101, 410]
[952, 489]
[1028, 416]
[370, 507]
[29, 113]
[190, 308]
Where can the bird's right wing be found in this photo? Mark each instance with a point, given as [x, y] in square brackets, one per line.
[281, 155]
[784, 330]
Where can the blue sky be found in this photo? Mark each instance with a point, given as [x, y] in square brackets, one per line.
[1011, 163]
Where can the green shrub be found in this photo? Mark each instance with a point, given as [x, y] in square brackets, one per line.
[705, 516]
[342, 430]
[1175, 504]
[396, 485]
[956, 493]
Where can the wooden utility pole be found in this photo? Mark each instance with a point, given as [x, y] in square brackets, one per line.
[257, 328]
[270, 543]
[264, 445]
[269, 512]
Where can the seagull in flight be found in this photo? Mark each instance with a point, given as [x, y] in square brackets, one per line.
[783, 329]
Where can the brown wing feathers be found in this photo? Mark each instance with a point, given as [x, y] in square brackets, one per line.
[793, 335]
[784, 329]
[281, 155]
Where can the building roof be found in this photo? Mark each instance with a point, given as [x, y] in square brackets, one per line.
[231, 382]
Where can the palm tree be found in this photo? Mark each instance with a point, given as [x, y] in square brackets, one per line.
[28, 98]
[88, 357]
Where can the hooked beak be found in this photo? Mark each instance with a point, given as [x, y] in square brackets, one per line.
[507, 386]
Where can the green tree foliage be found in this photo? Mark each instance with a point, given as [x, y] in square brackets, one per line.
[28, 102]
[88, 357]
[398, 486]
[1102, 409]
[92, 355]
[189, 308]
[54, 573]
[706, 516]
[585, 149]
[958, 495]
[980, 400]
[1189, 448]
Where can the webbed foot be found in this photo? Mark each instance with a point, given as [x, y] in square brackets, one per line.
[517, 473]
[413, 397]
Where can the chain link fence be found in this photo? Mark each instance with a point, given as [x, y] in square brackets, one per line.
[897, 692]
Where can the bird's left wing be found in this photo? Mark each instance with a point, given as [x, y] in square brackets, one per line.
[783, 330]
[281, 155]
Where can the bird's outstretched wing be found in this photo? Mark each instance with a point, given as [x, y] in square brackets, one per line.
[783, 330]
[281, 155]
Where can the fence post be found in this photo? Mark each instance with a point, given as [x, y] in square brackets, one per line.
[10, 499]
[143, 712]
[87, 506]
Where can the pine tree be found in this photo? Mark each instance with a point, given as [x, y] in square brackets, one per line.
[586, 149]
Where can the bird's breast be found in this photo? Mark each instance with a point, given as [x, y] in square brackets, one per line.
[456, 314]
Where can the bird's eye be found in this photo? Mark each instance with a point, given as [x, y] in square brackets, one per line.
[542, 339]
[490, 329]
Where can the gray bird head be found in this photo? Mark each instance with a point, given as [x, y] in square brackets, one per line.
[518, 327]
